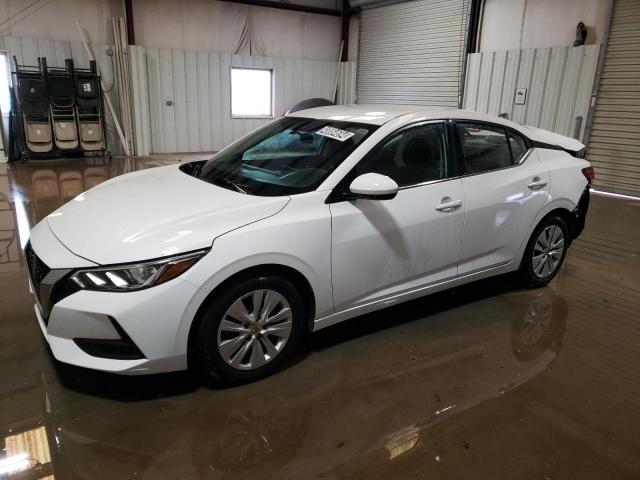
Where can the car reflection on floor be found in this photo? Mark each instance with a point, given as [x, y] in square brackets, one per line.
[295, 422]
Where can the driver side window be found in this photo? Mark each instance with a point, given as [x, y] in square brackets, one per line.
[411, 156]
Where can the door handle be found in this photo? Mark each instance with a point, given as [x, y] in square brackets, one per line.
[537, 183]
[448, 205]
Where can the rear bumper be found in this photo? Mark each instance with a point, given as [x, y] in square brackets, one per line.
[580, 214]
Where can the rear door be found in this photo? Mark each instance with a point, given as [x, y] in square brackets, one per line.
[383, 248]
[505, 186]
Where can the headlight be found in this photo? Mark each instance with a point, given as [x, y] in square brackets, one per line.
[122, 278]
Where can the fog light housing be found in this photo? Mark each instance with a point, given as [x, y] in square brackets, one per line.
[122, 348]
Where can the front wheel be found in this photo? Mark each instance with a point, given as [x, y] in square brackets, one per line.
[250, 329]
[545, 252]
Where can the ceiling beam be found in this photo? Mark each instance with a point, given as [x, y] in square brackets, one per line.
[288, 6]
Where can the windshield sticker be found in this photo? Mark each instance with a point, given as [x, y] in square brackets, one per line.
[335, 133]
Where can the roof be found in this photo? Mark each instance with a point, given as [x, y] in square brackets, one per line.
[361, 113]
[379, 114]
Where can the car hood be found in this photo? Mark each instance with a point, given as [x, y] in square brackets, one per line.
[153, 213]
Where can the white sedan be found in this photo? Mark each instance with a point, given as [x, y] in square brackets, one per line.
[317, 217]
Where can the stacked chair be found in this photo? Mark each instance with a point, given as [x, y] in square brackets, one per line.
[31, 87]
[62, 104]
[89, 109]
[56, 111]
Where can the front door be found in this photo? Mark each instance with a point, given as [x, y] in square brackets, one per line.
[382, 248]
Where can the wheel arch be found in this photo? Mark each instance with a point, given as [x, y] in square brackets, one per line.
[298, 279]
[564, 214]
[561, 208]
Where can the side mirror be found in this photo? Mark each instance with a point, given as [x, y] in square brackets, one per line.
[374, 186]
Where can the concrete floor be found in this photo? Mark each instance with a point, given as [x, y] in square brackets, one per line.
[487, 381]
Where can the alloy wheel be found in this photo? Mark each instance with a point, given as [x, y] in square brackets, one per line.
[254, 329]
[547, 251]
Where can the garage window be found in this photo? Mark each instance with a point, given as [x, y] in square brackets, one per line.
[251, 92]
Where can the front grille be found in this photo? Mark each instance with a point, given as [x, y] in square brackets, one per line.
[38, 270]
[49, 285]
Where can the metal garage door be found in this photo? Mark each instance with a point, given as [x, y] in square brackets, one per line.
[412, 52]
[614, 144]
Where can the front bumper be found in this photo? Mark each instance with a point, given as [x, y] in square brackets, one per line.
[150, 318]
[130, 333]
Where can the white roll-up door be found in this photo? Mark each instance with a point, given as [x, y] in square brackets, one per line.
[412, 53]
[614, 143]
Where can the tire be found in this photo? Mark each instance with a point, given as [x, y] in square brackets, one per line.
[241, 349]
[543, 246]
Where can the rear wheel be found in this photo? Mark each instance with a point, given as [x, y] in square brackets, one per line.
[250, 329]
[545, 252]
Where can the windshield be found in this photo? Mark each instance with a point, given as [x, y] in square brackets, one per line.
[289, 156]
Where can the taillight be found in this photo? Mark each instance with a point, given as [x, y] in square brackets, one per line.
[590, 174]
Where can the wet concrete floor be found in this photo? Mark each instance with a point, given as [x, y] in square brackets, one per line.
[485, 381]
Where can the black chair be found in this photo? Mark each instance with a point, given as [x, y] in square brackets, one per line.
[89, 109]
[34, 107]
[62, 106]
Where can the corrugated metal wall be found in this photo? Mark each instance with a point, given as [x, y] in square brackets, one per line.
[413, 53]
[559, 83]
[614, 142]
[347, 83]
[27, 51]
[198, 86]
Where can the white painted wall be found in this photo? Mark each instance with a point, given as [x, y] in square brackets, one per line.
[524, 24]
[558, 80]
[53, 19]
[216, 27]
[176, 24]
[347, 83]
[301, 47]
[197, 84]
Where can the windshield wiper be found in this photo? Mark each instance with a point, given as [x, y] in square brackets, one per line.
[226, 182]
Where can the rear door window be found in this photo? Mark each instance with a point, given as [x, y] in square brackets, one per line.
[484, 147]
